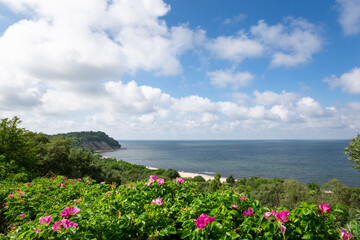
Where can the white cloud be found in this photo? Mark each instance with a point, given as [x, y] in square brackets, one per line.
[236, 80]
[349, 16]
[348, 82]
[271, 98]
[308, 107]
[194, 104]
[235, 48]
[291, 44]
[131, 98]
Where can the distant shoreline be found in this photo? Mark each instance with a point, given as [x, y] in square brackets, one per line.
[189, 174]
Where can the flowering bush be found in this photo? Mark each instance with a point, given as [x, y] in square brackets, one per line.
[159, 210]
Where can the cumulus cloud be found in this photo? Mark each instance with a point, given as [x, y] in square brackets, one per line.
[348, 82]
[271, 98]
[236, 80]
[235, 48]
[291, 43]
[349, 16]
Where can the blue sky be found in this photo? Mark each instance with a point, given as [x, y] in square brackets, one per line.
[156, 69]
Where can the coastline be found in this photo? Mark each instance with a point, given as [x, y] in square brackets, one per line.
[189, 174]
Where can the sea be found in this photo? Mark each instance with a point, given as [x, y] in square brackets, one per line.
[303, 160]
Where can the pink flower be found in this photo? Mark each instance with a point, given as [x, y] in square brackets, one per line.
[45, 220]
[103, 182]
[59, 184]
[63, 184]
[49, 187]
[242, 198]
[268, 214]
[157, 201]
[11, 195]
[282, 216]
[282, 229]
[234, 206]
[179, 180]
[21, 199]
[66, 180]
[22, 215]
[21, 193]
[248, 212]
[345, 235]
[153, 177]
[151, 181]
[29, 184]
[18, 190]
[4, 203]
[63, 223]
[87, 181]
[160, 181]
[79, 179]
[324, 207]
[38, 231]
[52, 178]
[69, 211]
[203, 220]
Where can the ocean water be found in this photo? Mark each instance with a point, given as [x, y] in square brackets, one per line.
[303, 160]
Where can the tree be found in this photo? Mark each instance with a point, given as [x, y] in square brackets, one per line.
[353, 151]
[17, 150]
[215, 184]
[230, 179]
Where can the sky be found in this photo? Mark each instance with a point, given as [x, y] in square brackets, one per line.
[182, 69]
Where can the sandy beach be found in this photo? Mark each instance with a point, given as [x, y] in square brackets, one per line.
[189, 174]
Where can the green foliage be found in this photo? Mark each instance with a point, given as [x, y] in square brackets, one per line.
[215, 184]
[125, 212]
[90, 140]
[353, 151]
[230, 179]
[17, 150]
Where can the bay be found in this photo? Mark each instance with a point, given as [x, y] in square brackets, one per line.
[303, 160]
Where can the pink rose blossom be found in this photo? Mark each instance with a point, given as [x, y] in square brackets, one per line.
[63, 223]
[157, 201]
[38, 231]
[282, 216]
[248, 212]
[49, 187]
[21, 193]
[69, 211]
[66, 180]
[4, 203]
[18, 190]
[103, 182]
[242, 198]
[21, 199]
[45, 220]
[29, 184]
[325, 208]
[63, 184]
[160, 181]
[203, 220]
[11, 195]
[153, 177]
[52, 178]
[268, 214]
[179, 180]
[22, 215]
[345, 235]
[79, 179]
[234, 206]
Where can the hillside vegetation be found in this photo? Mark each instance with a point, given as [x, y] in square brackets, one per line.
[97, 141]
